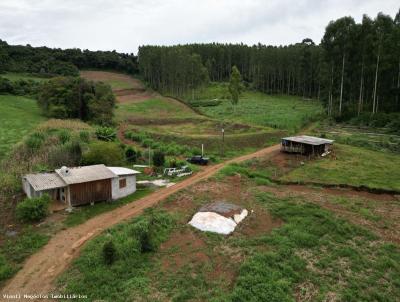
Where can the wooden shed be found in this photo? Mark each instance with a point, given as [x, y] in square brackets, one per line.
[306, 145]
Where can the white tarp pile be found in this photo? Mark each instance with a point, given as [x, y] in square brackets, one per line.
[218, 217]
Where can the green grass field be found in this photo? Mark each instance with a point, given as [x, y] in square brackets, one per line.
[354, 166]
[156, 108]
[20, 115]
[283, 112]
[365, 137]
[22, 76]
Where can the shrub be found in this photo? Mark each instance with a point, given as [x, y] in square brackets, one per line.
[64, 136]
[35, 140]
[130, 155]
[33, 209]
[106, 153]
[84, 136]
[109, 252]
[5, 269]
[69, 154]
[158, 158]
[107, 134]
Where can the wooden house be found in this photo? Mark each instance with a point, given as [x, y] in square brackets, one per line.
[306, 145]
[82, 185]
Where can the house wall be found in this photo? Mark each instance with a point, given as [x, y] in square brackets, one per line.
[130, 188]
[88, 192]
[27, 188]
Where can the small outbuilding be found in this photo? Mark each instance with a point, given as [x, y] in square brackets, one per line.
[82, 185]
[306, 145]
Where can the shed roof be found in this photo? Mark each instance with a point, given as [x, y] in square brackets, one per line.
[310, 140]
[45, 181]
[123, 171]
[86, 174]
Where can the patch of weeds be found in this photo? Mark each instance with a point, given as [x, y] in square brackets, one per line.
[15, 251]
[125, 278]
[315, 247]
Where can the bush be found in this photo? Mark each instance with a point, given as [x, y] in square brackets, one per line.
[33, 209]
[5, 269]
[106, 153]
[69, 154]
[64, 136]
[34, 141]
[84, 136]
[107, 134]
[130, 155]
[109, 252]
[158, 158]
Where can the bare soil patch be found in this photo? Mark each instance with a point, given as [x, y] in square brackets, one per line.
[105, 76]
[182, 248]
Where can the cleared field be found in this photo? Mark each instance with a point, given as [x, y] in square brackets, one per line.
[366, 137]
[19, 115]
[22, 76]
[283, 112]
[153, 109]
[117, 81]
[351, 166]
[292, 247]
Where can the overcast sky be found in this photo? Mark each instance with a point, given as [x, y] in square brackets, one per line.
[123, 25]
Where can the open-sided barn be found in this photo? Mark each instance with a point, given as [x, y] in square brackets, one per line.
[82, 185]
[307, 145]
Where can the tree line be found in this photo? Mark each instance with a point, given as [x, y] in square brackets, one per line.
[67, 62]
[172, 70]
[355, 68]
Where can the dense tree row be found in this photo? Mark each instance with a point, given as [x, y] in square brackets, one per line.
[172, 70]
[355, 69]
[74, 97]
[291, 69]
[362, 65]
[44, 60]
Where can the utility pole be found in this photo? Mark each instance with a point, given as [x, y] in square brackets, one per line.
[223, 140]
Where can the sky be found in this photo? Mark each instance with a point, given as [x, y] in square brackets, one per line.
[124, 25]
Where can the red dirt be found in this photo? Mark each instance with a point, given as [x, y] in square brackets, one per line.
[107, 76]
[41, 269]
[136, 93]
[189, 249]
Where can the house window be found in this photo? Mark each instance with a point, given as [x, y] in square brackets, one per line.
[122, 183]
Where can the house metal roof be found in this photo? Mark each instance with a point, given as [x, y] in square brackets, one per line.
[120, 171]
[310, 140]
[45, 181]
[85, 174]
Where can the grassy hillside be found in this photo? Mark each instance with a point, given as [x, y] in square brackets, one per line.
[19, 115]
[22, 76]
[168, 121]
[283, 112]
[117, 81]
[155, 108]
[352, 166]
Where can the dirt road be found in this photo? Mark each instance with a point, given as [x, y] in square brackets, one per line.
[41, 269]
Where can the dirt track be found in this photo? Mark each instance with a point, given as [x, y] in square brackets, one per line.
[41, 269]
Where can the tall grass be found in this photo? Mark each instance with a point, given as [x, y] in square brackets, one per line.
[90, 275]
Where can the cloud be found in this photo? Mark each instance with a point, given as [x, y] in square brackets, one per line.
[124, 25]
